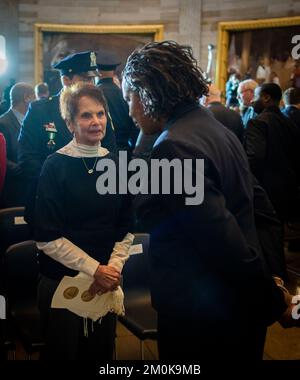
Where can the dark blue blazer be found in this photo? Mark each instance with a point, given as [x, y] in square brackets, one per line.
[292, 113]
[204, 257]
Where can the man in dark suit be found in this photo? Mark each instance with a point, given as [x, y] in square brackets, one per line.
[209, 283]
[272, 145]
[41, 91]
[14, 193]
[291, 98]
[125, 129]
[44, 131]
[229, 118]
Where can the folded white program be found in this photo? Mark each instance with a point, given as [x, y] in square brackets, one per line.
[72, 294]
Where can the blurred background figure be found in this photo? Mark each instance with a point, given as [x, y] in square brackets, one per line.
[5, 102]
[231, 91]
[295, 77]
[273, 78]
[245, 91]
[291, 99]
[125, 129]
[248, 73]
[14, 192]
[41, 91]
[229, 118]
[263, 71]
[272, 144]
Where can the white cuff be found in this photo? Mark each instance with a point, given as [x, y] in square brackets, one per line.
[120, 252]
[69, 255]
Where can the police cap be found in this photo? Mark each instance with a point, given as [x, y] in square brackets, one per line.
[107, 60]
[83, 62]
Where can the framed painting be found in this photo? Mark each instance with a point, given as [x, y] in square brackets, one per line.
[258, 49]
[53, 42]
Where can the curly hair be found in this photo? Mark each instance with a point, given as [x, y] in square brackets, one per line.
[70, 96]
[164, 74]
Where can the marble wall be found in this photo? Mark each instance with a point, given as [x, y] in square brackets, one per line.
[193, 22]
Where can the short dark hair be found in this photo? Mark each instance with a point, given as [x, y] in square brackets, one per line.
[70, 96]
[291, 96]
[41, 89]
[273, 90]
[19, 91]
[164, 74]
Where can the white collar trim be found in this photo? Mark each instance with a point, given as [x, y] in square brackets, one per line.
[73, 149]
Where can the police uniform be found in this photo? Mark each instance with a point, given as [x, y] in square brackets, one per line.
[43, 130]
[125, 130]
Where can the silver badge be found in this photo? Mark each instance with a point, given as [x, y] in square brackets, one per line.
[93, 59]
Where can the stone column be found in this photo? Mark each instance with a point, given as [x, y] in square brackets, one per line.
[190, 16]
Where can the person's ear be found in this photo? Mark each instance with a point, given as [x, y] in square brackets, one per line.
[266, 98]
[28, 98]
[66, 81]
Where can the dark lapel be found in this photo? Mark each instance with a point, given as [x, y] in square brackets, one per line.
[14, 122]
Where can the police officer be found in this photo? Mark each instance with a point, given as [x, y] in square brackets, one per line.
[125, 129]
[43, 130]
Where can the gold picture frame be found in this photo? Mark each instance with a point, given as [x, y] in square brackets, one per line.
[155, 30]
[224, 29]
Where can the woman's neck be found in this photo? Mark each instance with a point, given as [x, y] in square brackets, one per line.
[87, 150]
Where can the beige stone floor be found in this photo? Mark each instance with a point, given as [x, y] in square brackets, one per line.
[284, 344]
[128, 346]
[281, 344]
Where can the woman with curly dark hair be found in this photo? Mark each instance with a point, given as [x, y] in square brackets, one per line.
[209, 283]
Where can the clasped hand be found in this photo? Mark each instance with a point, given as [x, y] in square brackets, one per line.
[107, 278]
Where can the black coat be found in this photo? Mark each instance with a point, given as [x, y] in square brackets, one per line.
[270, 231]
[292, 113]
[14, 192]
[206, 258]
[229, 118]
[125, 129]
[272, 143]
[248, 114]
[10, 127]
[269, 228]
